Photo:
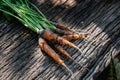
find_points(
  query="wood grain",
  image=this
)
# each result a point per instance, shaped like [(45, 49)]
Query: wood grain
[(21, 58)]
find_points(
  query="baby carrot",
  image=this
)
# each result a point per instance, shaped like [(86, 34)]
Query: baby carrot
[(75, 36), (63, 32), (64, 27), (48, 50), (62, 51), (61, 26)]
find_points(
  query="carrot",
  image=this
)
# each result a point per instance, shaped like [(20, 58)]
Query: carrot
[(75, 36), (63, 32), (50, 36), (61, 26), (62, 51), (64, 27), (48, 50)]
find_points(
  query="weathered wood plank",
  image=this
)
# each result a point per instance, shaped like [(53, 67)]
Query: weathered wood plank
[(21, 58)]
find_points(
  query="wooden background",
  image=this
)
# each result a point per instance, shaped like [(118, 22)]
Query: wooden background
[(21, 58)]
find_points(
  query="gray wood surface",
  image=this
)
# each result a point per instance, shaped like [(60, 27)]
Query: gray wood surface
[(21, 58)]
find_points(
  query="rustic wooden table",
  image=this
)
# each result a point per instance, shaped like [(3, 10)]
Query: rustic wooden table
[(21, 58)]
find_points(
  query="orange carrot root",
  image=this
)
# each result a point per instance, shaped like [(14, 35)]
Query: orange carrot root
[(75, 36), (64, 27), (61, 26), (48, 50), (63, 32), (62, 51)]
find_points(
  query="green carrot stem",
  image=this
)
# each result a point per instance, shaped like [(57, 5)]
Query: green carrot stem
[(21, 10)]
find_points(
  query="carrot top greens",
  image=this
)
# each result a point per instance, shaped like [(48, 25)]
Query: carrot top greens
[(30, 17)]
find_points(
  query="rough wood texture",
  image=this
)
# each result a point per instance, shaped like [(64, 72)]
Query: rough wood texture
[(21, 58)]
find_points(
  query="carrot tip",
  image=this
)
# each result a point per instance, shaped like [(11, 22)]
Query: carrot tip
[(80, 51), (68, 69)]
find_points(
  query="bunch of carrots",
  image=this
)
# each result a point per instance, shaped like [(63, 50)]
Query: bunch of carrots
[(49, 33)]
